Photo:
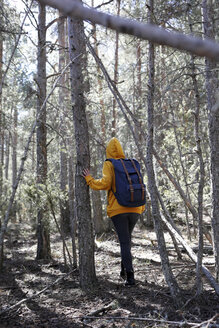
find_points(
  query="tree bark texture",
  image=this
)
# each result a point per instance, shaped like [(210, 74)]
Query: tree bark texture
[(1, 145), (1, 125), (71, 198), (151, 175), (64, 204), (212, 84), (77, 51), (43, 246)]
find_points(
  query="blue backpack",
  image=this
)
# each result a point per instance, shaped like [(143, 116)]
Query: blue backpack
[(130, 188)]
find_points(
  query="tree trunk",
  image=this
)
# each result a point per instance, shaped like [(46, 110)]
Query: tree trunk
[(100, 85), (83, 210), (116, 73), (201, 168), (7, 153), (14, 158), (64, 203), (1, 125), (213, 121), (1, 145), (151, 176), (71, 198), (43, 246)]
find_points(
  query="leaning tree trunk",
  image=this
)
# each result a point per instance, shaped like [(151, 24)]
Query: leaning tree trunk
[(43, 246), (213, 120), (151, 176), (82, 198)]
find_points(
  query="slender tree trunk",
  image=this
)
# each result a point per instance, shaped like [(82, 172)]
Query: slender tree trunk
[(33, 153), (43, 246), (116, 73), (100, 85), (7, 153), (64, 203), (201, 179), (213, 120), (184, 173), (14, 156), (201, 169), (1, 130), (1, 125), (83, 210), (151, 176), (71, 197)]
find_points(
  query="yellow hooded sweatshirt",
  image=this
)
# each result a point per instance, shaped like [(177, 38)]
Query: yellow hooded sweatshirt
[(107, 182)]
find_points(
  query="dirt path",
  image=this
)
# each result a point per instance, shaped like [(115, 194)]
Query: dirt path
[(64, 304)]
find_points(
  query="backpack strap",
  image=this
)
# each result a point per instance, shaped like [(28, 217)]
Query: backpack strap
[(140, 179), (129, 180)]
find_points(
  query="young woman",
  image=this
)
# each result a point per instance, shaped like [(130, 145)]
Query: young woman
[(123, 218)]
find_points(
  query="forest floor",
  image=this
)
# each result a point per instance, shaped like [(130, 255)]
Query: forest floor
[(110, 303)]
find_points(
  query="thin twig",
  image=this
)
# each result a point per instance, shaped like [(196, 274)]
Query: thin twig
[(58, 227)]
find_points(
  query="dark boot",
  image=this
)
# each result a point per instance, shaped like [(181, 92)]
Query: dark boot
[(130, 281), (122, 272)]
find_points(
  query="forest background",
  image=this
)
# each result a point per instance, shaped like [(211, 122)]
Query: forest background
[(67, 88)]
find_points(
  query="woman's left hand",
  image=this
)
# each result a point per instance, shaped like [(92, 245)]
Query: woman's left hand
[(85, 172)]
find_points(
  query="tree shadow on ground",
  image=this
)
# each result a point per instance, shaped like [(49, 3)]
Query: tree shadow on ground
[(64, 305)]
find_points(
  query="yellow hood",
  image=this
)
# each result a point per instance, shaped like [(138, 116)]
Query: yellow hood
[(114, 149)]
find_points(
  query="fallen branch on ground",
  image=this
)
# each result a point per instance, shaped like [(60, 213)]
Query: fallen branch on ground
[(112, 306)]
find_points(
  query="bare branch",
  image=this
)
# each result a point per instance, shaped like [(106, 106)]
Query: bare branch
[(205, 48)]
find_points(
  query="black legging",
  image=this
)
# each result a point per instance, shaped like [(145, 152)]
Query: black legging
[(124, 224)]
